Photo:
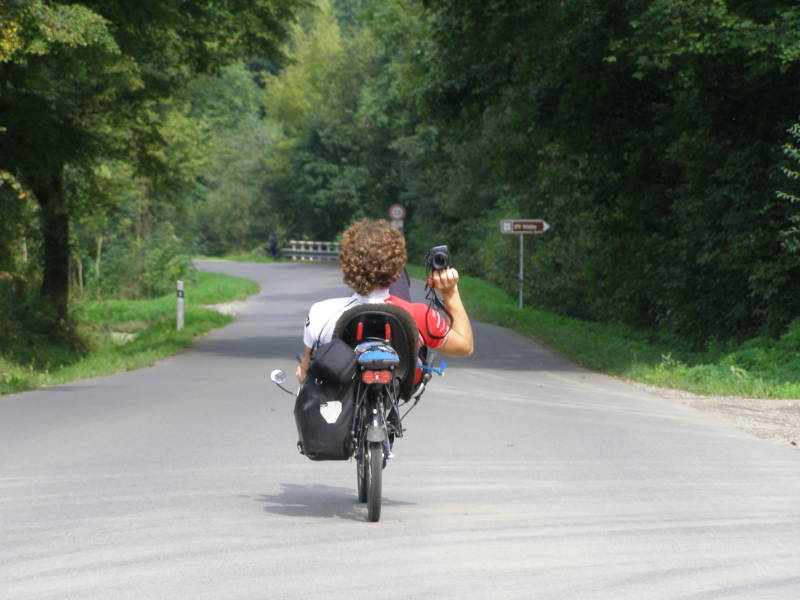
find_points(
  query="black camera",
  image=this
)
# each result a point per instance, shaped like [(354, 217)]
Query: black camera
[(438, 259)]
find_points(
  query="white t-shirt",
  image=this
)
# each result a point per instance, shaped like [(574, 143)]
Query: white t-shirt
[(323, 315)]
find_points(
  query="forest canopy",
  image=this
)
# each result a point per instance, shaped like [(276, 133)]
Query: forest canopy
[(657, 137)]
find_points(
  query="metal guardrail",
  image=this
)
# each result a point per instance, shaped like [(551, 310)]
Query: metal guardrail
[(311, 251)]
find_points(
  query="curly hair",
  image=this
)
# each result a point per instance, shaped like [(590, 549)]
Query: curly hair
[(373, 255)]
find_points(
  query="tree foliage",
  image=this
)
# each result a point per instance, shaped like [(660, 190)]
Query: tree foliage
[(790, 192), (318, 176), (651, 134), (648, 134), (84, 83), (227, 208)]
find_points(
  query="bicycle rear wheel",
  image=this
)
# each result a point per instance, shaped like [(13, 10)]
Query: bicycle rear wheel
[(362, 467), (374, 465)]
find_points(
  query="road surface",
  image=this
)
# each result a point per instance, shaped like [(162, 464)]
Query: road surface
[(521, 476)]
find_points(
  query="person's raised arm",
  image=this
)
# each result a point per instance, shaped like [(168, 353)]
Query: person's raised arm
[(459, 340)]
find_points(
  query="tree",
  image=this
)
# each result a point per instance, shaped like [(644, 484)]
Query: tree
[(228, 208), (320, 170), (77, 82), (791, 235), (647, 134)]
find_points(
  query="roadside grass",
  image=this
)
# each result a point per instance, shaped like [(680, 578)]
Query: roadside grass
[(257, 255), (758, 368), (122, 335)]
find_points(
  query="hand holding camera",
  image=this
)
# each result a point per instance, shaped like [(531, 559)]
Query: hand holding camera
[(443, 277), (445, 281), (441, 274)]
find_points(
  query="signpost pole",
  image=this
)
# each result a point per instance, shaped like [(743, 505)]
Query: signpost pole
[(521, 266), (522, 227)]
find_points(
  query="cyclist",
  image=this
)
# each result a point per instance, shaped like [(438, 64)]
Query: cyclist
[(373, 256)]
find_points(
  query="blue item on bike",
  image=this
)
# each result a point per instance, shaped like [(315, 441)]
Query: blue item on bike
[(439, 371), (378, 359)]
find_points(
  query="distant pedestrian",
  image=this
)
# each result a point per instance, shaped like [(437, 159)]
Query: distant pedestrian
[(273, 246)]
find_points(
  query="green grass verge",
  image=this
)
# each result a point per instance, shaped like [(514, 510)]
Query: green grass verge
[(258, 255), (759, 368), (122, 335)]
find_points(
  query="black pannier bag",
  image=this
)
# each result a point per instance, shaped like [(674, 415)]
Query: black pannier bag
[(322, 437), (327, 390), (333, 364)]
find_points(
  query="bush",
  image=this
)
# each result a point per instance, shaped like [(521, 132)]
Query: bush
[(165, 262), (135, 268)]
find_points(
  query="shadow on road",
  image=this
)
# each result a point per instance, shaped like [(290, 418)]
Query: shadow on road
[(318, 500), (257, 347)]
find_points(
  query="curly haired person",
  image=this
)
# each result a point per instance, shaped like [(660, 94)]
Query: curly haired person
[(373, 256)]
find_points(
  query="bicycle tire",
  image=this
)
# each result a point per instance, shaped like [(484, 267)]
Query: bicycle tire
[(362, 466), (374, 477)]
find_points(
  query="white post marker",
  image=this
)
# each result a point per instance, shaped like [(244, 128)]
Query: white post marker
[(522, 227), (180, 306)]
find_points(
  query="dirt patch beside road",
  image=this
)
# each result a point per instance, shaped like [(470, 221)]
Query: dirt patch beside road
[(776, 420), (228, 308)]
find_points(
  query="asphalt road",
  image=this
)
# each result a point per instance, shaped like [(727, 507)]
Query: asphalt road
[(521, 476)]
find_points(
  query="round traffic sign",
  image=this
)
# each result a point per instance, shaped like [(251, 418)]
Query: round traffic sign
[(397, 212)]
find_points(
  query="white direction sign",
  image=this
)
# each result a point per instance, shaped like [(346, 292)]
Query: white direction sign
[(397, 212), (523, 226)]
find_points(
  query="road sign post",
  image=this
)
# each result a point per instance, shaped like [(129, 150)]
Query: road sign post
[(397, 213), (522, 227), (521, 268)]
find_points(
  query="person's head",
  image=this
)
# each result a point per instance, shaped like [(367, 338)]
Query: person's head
[(373, 255)]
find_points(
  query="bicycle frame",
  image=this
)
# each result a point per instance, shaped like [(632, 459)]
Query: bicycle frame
[(375, 404)]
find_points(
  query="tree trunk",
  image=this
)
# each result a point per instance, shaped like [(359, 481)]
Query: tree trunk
[(5, 69), (54, 221), (98, 256)]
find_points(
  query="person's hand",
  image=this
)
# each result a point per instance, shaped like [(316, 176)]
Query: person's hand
[(302, 367), (446, 281)]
